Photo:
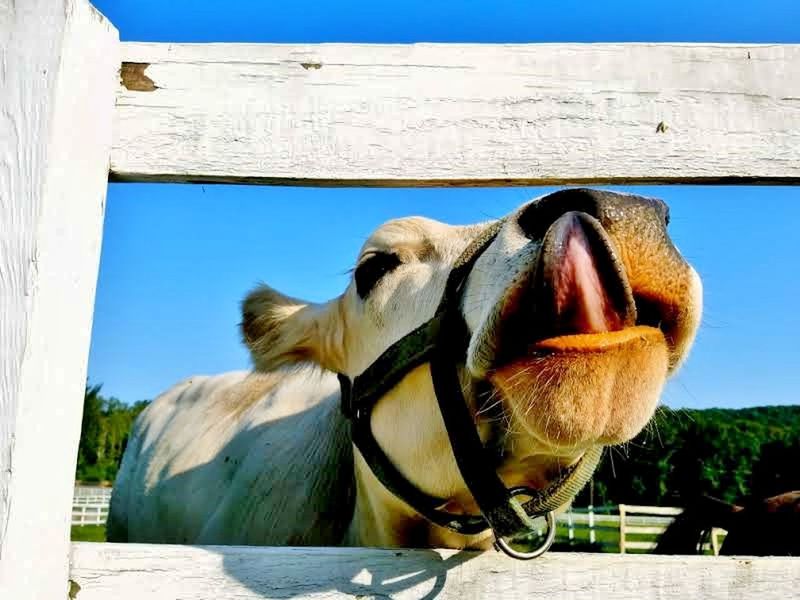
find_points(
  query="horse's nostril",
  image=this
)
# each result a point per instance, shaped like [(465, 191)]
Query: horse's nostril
[(649, 312), (605, 206), (535, 219)]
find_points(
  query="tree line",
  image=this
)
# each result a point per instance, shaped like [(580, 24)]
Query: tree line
[(731, 454), (105, 429)]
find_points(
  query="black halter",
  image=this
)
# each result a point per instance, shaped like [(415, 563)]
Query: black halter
[(442, 342)]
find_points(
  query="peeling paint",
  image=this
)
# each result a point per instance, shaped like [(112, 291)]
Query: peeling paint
[(662, 127), (311, 65), (74, 588), (133, 78)]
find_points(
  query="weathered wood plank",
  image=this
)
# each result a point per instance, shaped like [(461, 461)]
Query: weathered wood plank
[(58, 77), (426, 114), (152, 572)]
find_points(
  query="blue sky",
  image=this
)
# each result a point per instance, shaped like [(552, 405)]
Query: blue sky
[(177, 259)]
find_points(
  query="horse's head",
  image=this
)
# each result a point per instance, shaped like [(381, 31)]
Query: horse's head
[(576, 311)]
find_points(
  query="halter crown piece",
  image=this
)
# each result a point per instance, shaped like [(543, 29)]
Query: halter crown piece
[(442, 342)]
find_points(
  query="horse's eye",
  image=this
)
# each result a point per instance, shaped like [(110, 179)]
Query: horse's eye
[(370, 271)]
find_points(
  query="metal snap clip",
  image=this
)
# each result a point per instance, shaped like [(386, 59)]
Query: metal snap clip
[(505, 543)]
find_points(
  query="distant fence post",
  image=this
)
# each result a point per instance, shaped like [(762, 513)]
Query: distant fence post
[(716, 534), (622, 529), (570, 525)]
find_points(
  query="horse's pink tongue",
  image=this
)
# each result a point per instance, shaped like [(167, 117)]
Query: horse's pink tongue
[(581, 302)]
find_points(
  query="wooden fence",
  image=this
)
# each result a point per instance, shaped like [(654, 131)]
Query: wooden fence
[(648, 529), (650, 522), (90, 513), (78, 107), (618, 528), (89, 494), (90, 505)]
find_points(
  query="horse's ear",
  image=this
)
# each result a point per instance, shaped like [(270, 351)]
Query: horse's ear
[(280, 330)]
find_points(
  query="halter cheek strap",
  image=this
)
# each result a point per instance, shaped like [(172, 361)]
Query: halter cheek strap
[(442, 342)]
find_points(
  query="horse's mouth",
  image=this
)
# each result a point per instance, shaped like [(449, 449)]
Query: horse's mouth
[(578, 298), (573, 356)]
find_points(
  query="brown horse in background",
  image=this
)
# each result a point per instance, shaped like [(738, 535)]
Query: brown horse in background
[(769, 527)]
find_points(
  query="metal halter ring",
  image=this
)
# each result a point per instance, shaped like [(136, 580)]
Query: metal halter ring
[(501, 543)]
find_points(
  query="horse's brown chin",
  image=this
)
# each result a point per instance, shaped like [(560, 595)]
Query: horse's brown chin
[(575, 391)]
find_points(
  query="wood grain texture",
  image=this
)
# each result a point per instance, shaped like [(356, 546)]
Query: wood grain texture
[(58, 76), (143, 572), (427, 114)]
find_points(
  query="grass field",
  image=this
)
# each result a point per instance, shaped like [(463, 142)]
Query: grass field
[(605, 540), (88, 533)]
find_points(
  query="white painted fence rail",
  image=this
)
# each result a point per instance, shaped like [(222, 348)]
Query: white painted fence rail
[(458, 114), (638, 520), (635, 527), (329, 114), (628, 527), (91, 494), (90, 513), (148, 572), (90, 505)]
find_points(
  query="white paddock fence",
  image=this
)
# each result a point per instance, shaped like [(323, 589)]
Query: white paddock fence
[(89, 514), (78, 108), (608, 527), (627, 528), (90, 505), (90, 494), (647, 521), (631, 523)]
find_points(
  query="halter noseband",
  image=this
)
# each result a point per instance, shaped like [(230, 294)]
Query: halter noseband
[(442, 342)]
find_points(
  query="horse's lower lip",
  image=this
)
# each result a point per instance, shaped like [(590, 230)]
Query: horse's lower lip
[(595, 342), (581, 344)]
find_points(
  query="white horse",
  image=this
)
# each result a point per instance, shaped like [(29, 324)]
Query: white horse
[(576, 312)]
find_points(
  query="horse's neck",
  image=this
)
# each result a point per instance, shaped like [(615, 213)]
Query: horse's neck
[(683, 535), (300, 485), (713, 512)]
